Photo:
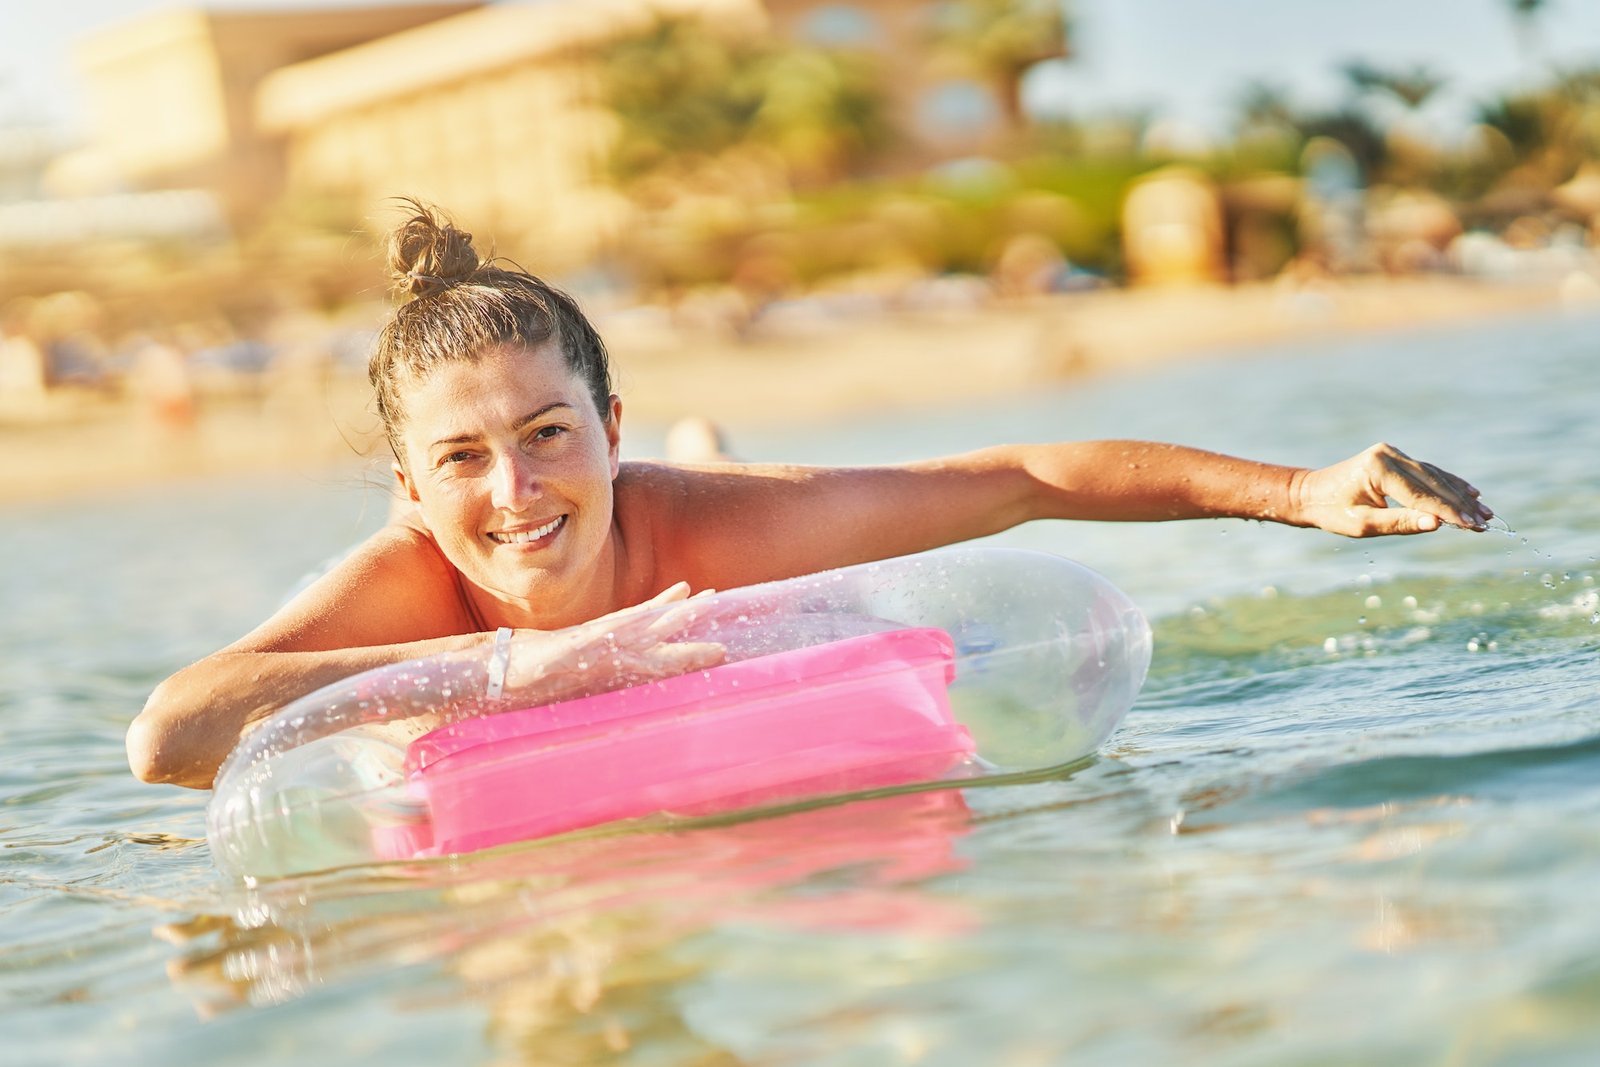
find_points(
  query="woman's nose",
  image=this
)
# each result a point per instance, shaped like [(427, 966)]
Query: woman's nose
[(513, 482)]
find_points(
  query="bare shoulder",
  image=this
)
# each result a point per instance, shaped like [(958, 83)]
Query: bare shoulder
[(669, 512), (718, 525), (394, 587)]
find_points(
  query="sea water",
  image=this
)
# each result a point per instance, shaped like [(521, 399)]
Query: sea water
[(1353, 818)]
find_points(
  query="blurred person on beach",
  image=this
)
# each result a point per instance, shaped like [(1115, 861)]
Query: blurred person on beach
[(159, 376), (495, 392), (24, 369)]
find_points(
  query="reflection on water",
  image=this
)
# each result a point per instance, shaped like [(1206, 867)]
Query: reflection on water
[(554, 938), (1355, 816)]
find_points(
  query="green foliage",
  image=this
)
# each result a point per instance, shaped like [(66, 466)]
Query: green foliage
[(1355, 131), (998, 40), (1522, 119), (1550, 131), (1411, 87), (683, 95), (681, 89), (677, 89)]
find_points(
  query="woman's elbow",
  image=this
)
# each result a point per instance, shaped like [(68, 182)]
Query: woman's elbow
[(144, 749), (153, 754)]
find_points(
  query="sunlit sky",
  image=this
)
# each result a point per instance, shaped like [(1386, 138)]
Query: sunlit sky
[(1186, 59)]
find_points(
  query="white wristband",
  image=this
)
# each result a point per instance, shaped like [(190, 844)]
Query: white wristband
[(499, 659)]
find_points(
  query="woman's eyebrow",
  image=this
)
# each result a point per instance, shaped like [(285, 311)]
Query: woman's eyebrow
[(535, 416), (532, 416)]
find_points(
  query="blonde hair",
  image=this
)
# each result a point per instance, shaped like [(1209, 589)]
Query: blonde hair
[(459, 307)]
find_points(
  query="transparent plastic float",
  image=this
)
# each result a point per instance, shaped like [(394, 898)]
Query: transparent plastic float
[(943, 666)]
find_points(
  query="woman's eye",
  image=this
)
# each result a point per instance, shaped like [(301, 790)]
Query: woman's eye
[(544, 433), (455, 457)]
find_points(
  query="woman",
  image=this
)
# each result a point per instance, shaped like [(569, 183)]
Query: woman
[(495, 392)]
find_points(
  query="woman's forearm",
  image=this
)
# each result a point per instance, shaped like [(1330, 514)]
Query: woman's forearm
[(193, 719), (1142, 481), (1376, 492)]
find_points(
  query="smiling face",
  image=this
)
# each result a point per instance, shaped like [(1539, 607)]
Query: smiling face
[(511, 467)]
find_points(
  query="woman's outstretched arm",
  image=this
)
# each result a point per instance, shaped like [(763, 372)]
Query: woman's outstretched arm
[(1140, 481), (731, 525)]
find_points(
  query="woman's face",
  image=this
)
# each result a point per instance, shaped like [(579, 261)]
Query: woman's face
[(511, 467)]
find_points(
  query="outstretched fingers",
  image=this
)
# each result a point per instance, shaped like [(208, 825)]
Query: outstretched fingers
[(1428, 492), (1384, 491)]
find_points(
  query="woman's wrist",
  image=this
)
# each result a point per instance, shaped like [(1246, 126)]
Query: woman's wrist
[(1292, 510)]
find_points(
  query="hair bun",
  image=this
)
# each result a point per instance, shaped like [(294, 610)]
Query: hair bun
[(427, 254)]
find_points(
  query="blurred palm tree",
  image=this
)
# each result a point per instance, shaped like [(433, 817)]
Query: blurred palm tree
[(1406, 160), (1411, 87), (997, 41), (1526, 15), (1263, 103), (683, 90), (1267, 128), (1551, 131), (1355, 131), (677, 90)]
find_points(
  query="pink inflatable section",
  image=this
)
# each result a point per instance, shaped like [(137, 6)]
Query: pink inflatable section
[(838, 717)]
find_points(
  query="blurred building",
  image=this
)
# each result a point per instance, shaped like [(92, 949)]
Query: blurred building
[(493, 113), (492, 110), (171, 96)]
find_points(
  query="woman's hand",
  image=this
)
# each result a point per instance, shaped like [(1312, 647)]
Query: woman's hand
[(1352, 497), (627, 647)]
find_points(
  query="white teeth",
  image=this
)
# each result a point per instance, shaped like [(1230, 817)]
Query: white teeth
[(522, 537)]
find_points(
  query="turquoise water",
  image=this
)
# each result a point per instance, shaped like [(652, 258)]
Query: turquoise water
[(1354, 817)]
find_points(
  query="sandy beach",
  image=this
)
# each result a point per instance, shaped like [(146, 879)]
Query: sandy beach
[(831, 370)]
